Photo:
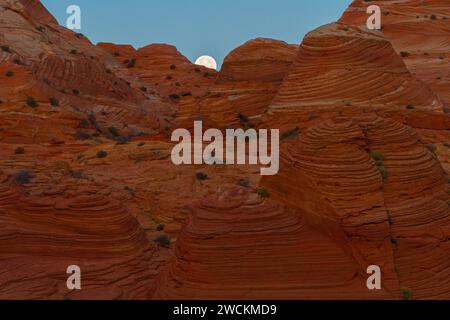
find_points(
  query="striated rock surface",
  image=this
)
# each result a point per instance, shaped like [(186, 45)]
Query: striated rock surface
[(345, 70), (371, 183), (419, 31), (247, 83), (235, 245)]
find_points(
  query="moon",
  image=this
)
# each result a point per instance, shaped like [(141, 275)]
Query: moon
[(207, 61)]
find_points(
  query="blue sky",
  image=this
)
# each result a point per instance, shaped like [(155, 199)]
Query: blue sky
[(199, 27)]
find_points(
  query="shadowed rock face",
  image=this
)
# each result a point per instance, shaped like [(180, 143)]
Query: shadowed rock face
[(418, 29)]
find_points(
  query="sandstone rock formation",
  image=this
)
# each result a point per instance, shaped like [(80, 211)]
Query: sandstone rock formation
[(419, 31), (248, 81)]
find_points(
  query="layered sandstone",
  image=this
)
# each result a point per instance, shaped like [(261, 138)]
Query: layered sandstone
[(419, 31), (248, 81)]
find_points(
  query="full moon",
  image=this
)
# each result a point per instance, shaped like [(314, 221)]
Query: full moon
[(207, 62)]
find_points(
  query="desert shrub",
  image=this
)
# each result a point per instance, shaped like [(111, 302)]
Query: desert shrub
[(433, 17), (383, 171), (201, 176), (377, 156), (173, 67), (163, 241), (143, 89), (131, 63), (431, 147), (6, 49), (9, 73), (141, 144), (113, 131), (54, 102), (93, 120), (446, 144), (19, 150), (83, 123), (169, 77), (31, 102), (73, 51), (404, 54), (23, 177), (102, 154), (76, 174), (410, 107), (122, 140), (174, 97), (76, 92), (17, 61), (263, 192), (160, 227), (116, 53), (406, 293), (198, 70)]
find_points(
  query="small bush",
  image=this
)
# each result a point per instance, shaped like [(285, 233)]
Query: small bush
[(9, 73), (141, 144), (262, 192), (404, 54), (116, 53), (54, 102), (383, 171), (73, 51), (169, 77), (174, 97), (143, 89), (163, 241), (23, 177), (406, 294), (410, 107), (132, 63), (17, 61), (201, 176), (31, 102), (173, 67), (447, 145), (377, 156), (102, 154), (113, 131), (19, 150), (6, 49), (431, 147), (160, 227), (433, 17), (76, 92), (83, 123)]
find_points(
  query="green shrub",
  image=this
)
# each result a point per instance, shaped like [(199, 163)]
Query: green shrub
[(174, 97), (406, 293), (163, 241), (54, 102), (31, 102), (431, 147), (377, 156), (201, 176), (262, 192), (6, 49), (390, 217), (394, 240), (23, 177), (102, 154), (19, 150), (383, 171), (404, 54)]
